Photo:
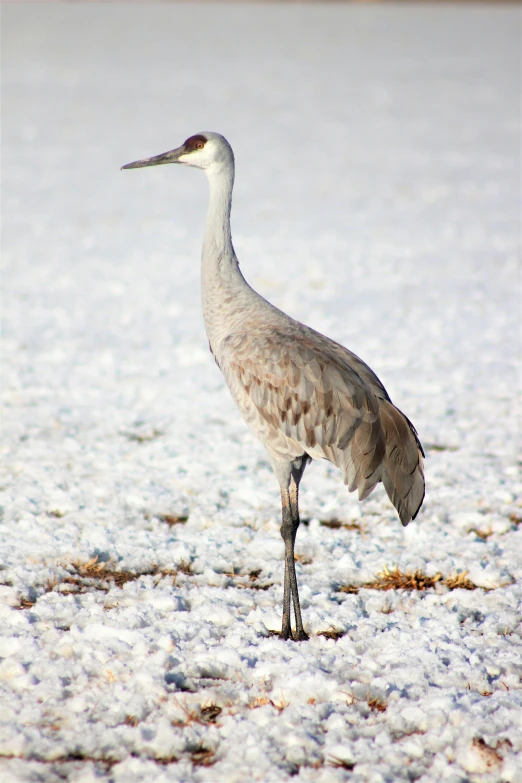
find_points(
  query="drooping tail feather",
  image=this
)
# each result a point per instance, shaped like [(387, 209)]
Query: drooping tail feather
[(402, 467)]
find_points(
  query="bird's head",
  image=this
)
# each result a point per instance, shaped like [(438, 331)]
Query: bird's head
[(208, 151)]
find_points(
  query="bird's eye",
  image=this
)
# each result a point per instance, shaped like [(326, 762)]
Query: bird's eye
[(195, 143)]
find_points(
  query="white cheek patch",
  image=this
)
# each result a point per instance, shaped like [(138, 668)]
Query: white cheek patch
[(198, 159)]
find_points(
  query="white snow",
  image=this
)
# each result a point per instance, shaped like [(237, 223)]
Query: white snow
[(377, 199)]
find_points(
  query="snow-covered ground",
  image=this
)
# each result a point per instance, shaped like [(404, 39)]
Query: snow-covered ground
[(377, 199)]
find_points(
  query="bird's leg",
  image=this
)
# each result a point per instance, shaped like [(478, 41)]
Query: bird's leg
[(300, 633), (286, 533), (289, 500)]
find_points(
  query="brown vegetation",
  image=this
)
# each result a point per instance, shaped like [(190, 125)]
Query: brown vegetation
[(172, 519), (395, 579), (83, 577), (332, 633), (336, 524)]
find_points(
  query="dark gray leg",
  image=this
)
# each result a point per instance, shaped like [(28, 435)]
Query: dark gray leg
[(290, 506), (286, 533)]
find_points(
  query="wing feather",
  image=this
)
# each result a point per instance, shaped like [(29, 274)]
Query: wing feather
[(304, 394)]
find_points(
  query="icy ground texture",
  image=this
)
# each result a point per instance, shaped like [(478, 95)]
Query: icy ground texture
[(376, 199)]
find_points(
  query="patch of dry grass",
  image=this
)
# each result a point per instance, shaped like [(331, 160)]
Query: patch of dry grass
[(263, 700), (102, 762), (332, 633), (351, 589), (92, 575), (203, 757), (336, 524), (200, 756), (252, 580), (335, 761), (172, 519), (183, 568), (93, 570), (280, 705), (395, 579), (25, 603), (255, 586), (460, 581), (376, 705), (163, 760), (483, 534), (489, 755)]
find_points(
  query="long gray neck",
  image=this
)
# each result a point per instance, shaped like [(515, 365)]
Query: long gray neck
[(222, 284), (218, 251)]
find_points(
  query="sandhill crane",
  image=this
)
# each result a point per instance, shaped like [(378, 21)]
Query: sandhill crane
[(304, 395)]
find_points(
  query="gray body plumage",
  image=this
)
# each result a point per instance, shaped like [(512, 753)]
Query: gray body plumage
[(303, 395)]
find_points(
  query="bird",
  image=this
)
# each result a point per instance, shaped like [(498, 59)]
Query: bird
[(304, 396)]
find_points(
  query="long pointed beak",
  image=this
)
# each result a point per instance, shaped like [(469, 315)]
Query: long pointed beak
[(172, 156)]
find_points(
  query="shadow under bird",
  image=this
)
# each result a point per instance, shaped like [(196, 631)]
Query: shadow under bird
[(303, 395)]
